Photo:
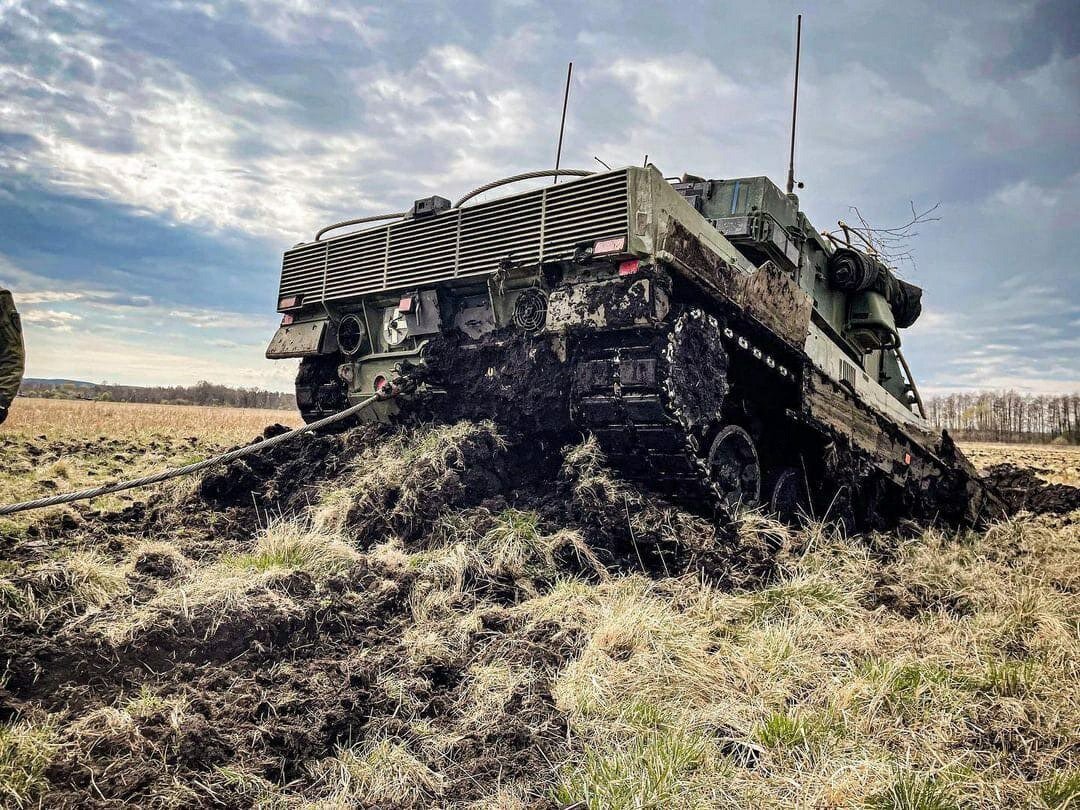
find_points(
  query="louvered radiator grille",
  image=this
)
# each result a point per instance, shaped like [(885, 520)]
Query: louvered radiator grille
[(540, 225)]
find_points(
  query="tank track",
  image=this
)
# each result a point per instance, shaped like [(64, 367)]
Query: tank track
[(319, 390), (652, 398), (938, 487)]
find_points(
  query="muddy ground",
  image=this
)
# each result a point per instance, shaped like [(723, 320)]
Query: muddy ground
[(298, 666)]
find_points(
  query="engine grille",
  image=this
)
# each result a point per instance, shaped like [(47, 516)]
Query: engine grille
[(540, 225)]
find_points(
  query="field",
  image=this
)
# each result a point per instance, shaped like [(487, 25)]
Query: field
[(49, 445), (1054, 464), (437, 617)]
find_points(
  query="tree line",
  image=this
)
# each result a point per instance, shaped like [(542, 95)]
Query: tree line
[(1008, 416), (1001, 416), (202, 393)]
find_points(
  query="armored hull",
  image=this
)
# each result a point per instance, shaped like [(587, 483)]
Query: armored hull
[(714, 343)]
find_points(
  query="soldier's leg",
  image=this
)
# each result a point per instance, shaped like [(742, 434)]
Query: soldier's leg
[(12, 353)]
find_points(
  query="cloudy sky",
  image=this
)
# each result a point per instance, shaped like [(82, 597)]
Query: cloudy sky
[(157, 157)]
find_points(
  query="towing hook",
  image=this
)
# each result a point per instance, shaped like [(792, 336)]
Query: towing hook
[(394, 388), (388, 390)]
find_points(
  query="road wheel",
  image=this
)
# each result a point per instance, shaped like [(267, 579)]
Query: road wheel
[(788, 496), (734, 468)]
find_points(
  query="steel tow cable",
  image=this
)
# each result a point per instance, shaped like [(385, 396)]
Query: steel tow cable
[(388, 391)]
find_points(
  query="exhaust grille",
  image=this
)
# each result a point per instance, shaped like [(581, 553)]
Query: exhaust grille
[(302, 270), (541, 225)]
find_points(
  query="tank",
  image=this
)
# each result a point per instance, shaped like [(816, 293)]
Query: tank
[(717, 346)]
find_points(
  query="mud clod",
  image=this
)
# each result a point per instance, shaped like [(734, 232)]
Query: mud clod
[(1024, 491)]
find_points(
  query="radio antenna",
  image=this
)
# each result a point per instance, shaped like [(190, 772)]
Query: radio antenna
[(562, 123), (794, 108)]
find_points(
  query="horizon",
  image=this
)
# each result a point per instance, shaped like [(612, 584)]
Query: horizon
[(156, 159)]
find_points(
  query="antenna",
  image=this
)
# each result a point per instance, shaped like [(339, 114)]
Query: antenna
[(562, 123), (794, 108)]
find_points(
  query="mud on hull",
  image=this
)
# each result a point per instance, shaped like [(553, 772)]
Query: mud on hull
[(701, 406)]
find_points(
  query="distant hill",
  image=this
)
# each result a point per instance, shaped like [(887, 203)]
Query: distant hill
[(203, 393)]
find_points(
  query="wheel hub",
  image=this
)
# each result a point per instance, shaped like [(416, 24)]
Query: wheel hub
[(734, 468)]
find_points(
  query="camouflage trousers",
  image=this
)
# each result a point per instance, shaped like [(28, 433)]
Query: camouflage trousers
[(12, 353)]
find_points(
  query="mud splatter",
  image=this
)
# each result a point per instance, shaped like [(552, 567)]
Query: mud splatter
[(1024, 491)]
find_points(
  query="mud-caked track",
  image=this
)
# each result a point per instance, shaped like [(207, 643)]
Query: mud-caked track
[(696, 410)]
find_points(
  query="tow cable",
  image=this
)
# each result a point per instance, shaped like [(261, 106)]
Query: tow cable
[(388, 391)]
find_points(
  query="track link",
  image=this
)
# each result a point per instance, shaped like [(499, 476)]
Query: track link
[(652, 400)]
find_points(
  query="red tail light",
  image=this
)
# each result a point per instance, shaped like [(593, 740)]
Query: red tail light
[(287, 319), (616, 244), (628, 267)]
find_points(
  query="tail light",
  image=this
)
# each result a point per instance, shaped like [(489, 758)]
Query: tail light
[(616, 244), (287, 319), (290, 302), (628, 267)]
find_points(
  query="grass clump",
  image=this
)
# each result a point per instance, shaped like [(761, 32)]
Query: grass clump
[(212, 594), (256, 790), (398, 485), (289, 545), (784, 729), (660, 769), (90, 580), (147, 703), (26, 750), (72, 584), (593, 485), (914, 791), (382, 771), (1061, 791)]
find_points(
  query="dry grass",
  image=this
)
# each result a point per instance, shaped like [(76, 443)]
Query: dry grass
[(81, 420), (383, 771), (391, 484), (72, 584), (210, 594), (26, 749), (808, 694), (54, 445)]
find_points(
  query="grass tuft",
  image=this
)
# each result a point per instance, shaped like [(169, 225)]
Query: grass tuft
[(384, 771), (659, 769), (1061, 791), (26, 750), (914, 791), (291, 545)]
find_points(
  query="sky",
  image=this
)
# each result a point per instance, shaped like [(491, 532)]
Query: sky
[(156, 158)]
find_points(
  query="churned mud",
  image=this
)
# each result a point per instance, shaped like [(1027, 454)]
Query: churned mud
[(228, 644), (1024, 491), (182, 679)]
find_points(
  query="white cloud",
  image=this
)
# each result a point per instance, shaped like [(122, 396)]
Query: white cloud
[(214, 319), (55, 320), (47, 297), (155, 361), (245, 159), (311, 21)]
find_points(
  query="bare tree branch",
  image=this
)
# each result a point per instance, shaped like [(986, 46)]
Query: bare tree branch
[(893, 244)]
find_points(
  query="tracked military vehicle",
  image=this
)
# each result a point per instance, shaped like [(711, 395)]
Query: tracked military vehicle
[(715, 343)]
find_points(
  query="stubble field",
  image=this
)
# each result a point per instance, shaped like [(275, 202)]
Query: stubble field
[(441, 617)]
